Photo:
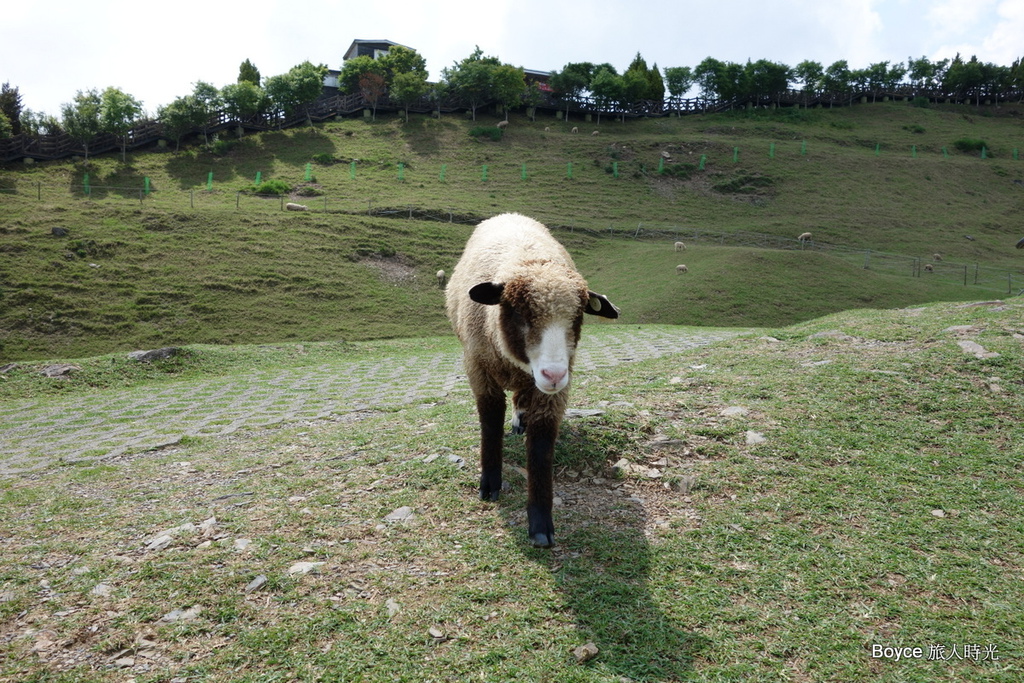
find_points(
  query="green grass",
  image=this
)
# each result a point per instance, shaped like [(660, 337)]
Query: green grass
[(882, 509), (187, 266)]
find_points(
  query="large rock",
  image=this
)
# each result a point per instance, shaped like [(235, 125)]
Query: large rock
[(155, 354)]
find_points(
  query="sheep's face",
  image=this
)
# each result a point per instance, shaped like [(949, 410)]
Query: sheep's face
[(539, 327)]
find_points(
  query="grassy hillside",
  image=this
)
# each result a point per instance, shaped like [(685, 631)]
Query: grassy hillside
[(187, 265)]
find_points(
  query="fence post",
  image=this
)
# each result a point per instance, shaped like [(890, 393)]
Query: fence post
[(209, 182), (867, 259), (85, 185), (147, 185), (39, 191), (237, 196), (192, 199)]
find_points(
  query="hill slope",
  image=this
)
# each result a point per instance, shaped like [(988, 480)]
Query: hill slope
[(186, 264)]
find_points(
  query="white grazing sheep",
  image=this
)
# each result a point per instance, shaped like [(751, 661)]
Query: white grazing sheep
[(502, 124), (680, 269), (575, 129), (516, 302), (680, 246), (928, 267), (440, 278), (805, 237), (547, 129), (936, 257), (596, 132), (295, 207)]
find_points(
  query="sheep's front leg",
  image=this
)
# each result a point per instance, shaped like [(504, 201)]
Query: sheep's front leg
[(540, 449), (491, 410)]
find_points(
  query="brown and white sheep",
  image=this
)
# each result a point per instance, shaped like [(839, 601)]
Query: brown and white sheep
[(680, 269), (516, 302)]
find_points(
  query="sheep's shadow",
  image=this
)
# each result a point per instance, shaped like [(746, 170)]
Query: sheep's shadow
[(602, 565)]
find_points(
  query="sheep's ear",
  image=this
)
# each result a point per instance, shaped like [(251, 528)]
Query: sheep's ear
[(598, 304), (487, 293)]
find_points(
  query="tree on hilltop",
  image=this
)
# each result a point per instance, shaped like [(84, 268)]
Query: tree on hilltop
[(81, 117), (119, 111), (248, 73)]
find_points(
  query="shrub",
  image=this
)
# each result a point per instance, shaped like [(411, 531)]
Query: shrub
[(970, 145), (272, 187), (220, 147), (325, 159), (918, 129), (492, 132), (922, 102)]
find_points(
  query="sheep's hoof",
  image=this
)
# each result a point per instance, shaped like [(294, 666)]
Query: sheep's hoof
[(540, 540)]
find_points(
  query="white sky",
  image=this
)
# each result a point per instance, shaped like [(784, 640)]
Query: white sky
[(50, 49)]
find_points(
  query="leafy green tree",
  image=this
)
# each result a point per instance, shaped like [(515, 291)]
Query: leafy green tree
[(401, 60), (643, 83), (655, 84), (10, 105), (407, 88), (571, 82), (210, 103), (507, 86), (296, 90), (180, 118), (5, 126), (607, 87), (119, 112), (837, 78), (353, 70), (708, 75), (678, 79), (41, 123), (765, 79), (810, 75), (248, 73), (472, 79), (243, 100), (81, 117)]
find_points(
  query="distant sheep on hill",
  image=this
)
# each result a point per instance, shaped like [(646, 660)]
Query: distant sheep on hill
[(440, 278), (928, 267), (596, 132), (575, 129), (295, 207), (936, 257), (503, 124), (680, 246), (680, 269), (805, 237)]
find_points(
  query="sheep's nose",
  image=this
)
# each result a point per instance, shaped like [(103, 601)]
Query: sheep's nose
[(553, 376)]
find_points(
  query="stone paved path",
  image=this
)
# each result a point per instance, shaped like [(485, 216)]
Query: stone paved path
[(36, 434)]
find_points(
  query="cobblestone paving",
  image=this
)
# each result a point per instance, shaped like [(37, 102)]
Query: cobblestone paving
[(36, 434)]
